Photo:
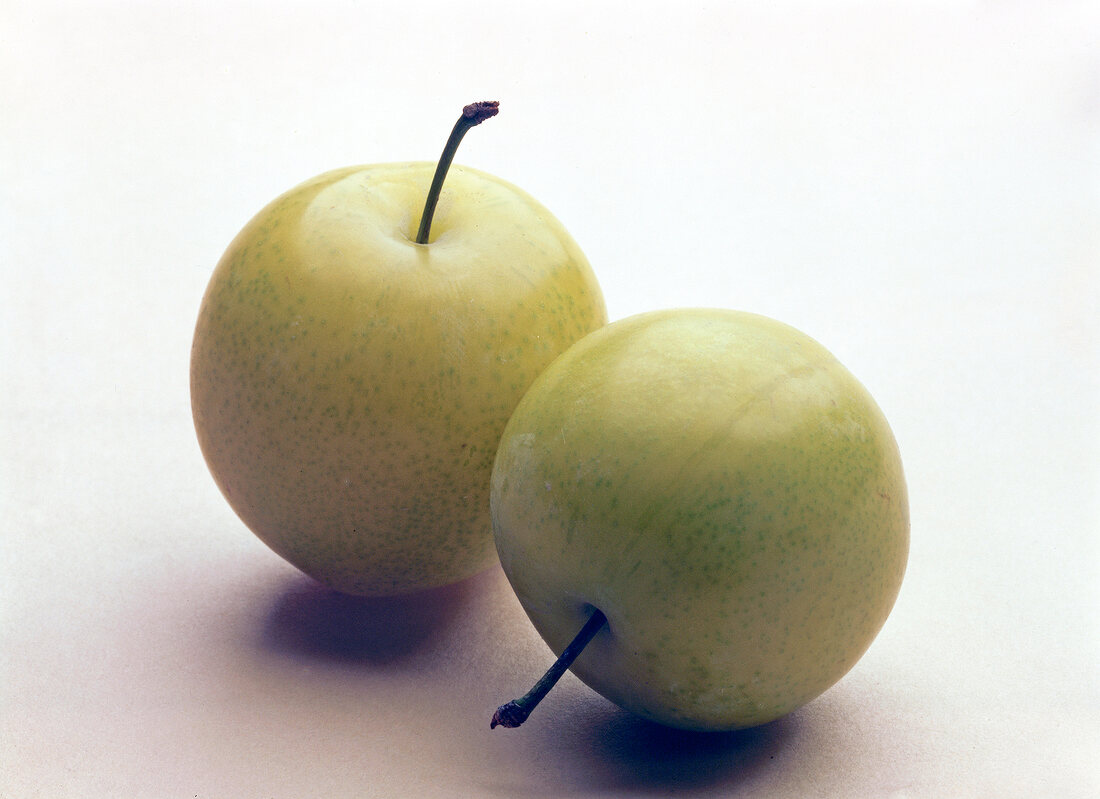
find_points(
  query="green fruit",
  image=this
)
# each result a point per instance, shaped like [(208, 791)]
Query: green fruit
[(725, 492), (350, 386)]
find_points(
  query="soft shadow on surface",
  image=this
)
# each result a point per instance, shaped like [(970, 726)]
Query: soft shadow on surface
[(659, 758), (311, 620), (624, 754)]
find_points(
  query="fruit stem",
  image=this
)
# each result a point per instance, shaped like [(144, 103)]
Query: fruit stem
[(473, 114), (514, 713)]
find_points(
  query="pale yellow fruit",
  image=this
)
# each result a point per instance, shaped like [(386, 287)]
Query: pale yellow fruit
[(725, 492), (350, 386)]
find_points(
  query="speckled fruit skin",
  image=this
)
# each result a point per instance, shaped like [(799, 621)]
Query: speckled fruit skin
[(725, 492), (349, 386)]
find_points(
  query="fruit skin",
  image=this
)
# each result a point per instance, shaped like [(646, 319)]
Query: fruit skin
[(349, 386), (725, 492)]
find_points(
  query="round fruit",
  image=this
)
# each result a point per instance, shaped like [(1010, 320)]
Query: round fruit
[(350, 386), (729, 497)]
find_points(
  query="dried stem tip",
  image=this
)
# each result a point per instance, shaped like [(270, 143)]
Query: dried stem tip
[(479, 112)]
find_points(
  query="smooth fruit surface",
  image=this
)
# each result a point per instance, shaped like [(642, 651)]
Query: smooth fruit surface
[(729, 496), (349, 386)]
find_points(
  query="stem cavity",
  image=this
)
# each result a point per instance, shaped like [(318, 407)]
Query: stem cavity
[(473, 114), (514, 713)]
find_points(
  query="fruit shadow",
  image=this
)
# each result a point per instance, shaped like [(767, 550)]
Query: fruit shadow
[(310, 620), (624, 754)]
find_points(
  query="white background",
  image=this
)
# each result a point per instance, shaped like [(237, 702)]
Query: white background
[(916, 185)]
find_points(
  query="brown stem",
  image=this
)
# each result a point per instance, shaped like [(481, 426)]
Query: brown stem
[(473, 114), (514, 713)]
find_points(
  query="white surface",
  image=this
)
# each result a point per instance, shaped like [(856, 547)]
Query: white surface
[(917, 185)]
